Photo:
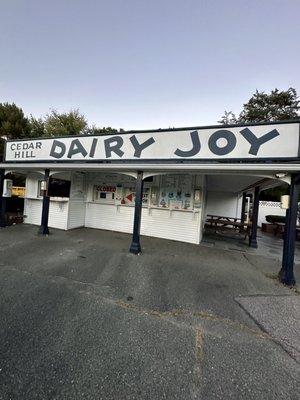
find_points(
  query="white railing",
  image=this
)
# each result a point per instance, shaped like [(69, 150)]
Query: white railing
[(264, 203), (269, 208)]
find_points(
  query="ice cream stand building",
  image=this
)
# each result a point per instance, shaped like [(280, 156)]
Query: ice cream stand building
[(160, 183)]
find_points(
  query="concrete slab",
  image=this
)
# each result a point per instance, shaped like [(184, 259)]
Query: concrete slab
[(268, 244), (279, 316)]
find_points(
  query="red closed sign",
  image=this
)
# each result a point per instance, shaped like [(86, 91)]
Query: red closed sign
[(106, 188)]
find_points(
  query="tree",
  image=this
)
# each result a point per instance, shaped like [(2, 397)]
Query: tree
[(276, 106), (263, 107), (64, 124), (13, 123), (37, 127), (228, 118), (94, 130)]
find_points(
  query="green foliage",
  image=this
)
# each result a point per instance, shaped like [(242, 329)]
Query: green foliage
[(94, 130), (274, 194), (2, 145), (263, 107), (276, 106), (228, 118), (71, 123), (37, 127), (275, 218), (13, 123)]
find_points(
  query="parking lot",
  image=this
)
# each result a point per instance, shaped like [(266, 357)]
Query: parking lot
[(82, 318)]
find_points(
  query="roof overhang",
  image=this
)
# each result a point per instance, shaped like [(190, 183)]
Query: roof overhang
[(195, 167), (276, 172)]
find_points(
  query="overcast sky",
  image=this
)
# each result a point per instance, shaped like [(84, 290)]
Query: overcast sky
[(146, 63)]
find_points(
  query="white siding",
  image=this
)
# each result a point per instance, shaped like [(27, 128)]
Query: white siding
[(183, 226), (77, 205), (76, 214), (110, 217), (58, 210), (58, 213), (33, 211), (226, 204), (80, 210), (176, 225)]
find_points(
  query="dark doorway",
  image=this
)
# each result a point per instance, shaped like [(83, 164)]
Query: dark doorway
[(15, 203)]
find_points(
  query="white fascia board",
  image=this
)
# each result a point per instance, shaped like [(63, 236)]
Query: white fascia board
[(291, 167), (261, 170)]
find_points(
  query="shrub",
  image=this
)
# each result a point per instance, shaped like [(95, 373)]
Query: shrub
[(275, 218)]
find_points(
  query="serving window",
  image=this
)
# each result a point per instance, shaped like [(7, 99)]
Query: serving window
[(174, 192), (58, 187), (104, 194)]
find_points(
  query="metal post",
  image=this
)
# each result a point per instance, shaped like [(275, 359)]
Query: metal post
[(286, 274), (2, 200), (44, 230), (255, 207), (135, 247), (243, 210)]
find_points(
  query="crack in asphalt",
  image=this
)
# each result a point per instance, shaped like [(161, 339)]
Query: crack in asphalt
[(272, 276), (277, 341), (201, 314), (156, 313)]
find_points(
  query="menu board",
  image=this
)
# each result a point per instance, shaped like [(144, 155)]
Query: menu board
[(176, 192)]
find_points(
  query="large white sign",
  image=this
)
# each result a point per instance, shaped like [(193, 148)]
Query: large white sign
[(246, 142)]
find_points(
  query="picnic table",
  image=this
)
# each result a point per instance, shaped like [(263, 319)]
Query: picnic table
[(219, 221), (279, 229)]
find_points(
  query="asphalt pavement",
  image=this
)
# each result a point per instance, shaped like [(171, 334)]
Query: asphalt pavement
[(82, 318)]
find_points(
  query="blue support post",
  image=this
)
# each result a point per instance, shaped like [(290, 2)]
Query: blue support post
[(2, 201), (286, 274), (135, 247), (254, 221), (43, 229)]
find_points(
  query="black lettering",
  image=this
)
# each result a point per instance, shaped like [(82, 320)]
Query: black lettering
[(256, 142), (13, 146), (113, 144), (222, 134), (58, 149), (139, 147), (28, 154), (194, 150), (76, 148), (38, 145), (93, 148), (25, 146)]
